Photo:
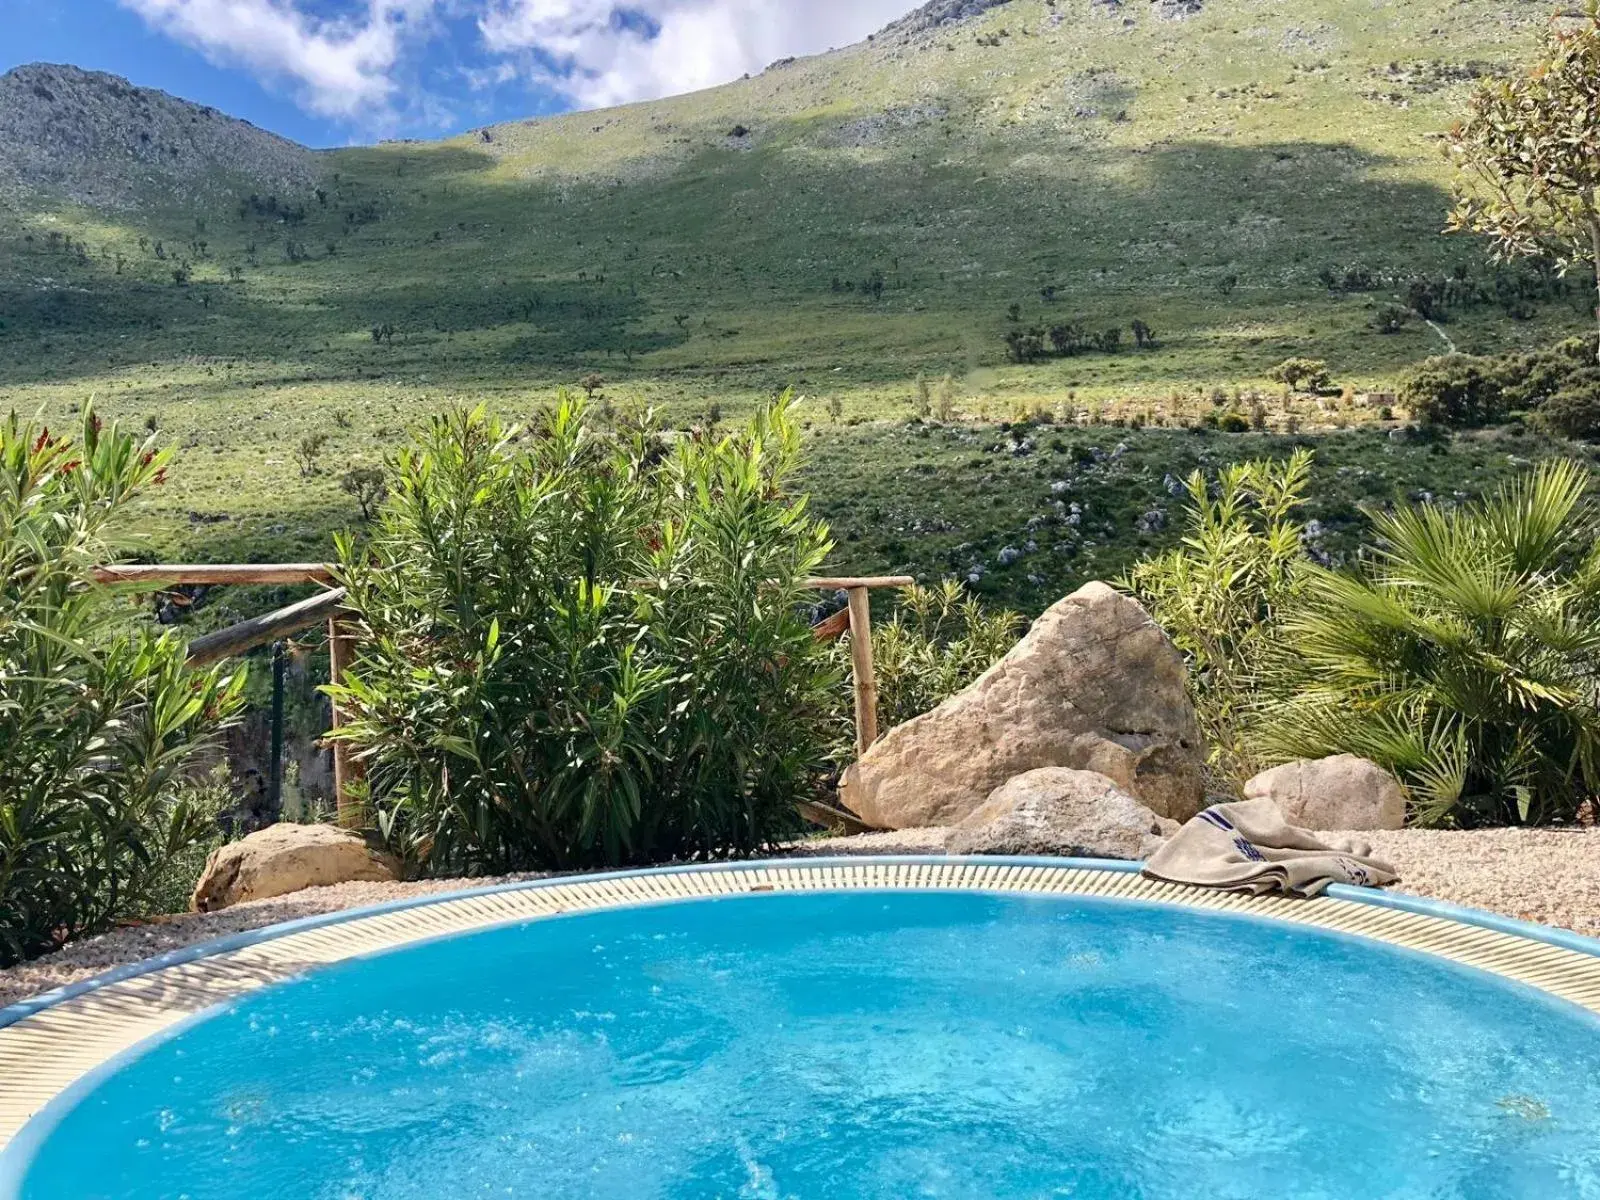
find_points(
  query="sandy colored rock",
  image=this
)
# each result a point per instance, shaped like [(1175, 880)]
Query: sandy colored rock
[(1061, 812), (1341, 792), (1094, 686), (287, 858)]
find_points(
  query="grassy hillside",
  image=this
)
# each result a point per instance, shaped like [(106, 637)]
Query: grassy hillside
[(841, 225)]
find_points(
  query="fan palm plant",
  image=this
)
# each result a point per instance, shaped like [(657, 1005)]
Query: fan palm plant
[(1464, 655)]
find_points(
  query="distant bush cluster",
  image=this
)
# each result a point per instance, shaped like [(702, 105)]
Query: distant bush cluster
[(1308, 374), (1558, 388), (1515, 289), (1069, 338)]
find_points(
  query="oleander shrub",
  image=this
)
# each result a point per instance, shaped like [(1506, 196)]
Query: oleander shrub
[(209, 796), (101, 724), (587, 647), (1222, 593)]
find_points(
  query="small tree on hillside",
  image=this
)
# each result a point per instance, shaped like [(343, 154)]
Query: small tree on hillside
[(367, 486), (1297, 373), (1529, 152), (309, 452)]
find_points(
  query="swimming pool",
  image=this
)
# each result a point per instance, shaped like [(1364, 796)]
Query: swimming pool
[(992, 1040)]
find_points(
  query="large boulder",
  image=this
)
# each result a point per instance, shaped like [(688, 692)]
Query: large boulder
[(1095, 686), (286, 858), (1342, 792), (1058, 811)]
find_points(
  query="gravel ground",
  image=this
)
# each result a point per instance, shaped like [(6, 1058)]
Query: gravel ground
[(1550, 876)]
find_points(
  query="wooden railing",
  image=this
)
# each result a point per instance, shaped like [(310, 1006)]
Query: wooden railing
[(328, 607)]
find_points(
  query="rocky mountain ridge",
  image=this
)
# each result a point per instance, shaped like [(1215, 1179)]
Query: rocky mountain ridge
[(98, 140)]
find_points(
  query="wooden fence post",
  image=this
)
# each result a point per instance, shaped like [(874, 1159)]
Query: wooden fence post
[(347, 770), (866, 680)]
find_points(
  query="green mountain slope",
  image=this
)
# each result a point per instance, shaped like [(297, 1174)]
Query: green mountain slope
[(840, 224)]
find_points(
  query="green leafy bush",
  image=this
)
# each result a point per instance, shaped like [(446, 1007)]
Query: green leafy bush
[(1531, 379), (1391, 318), (581, 649), (1464, 656), (208, 797), (938, 641), (1574, 411), (1308, 373), (99, 727), (1222, 592), (1455, 391)]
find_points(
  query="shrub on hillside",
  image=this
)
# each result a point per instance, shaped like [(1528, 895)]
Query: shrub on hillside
[(1307, 374), (367, 486), (99, 727), (1574, 411), (1528, 380), (1464, 656), (579, 649), (1391, 318), (1455, 391), (1221, 594), (1025, 346)]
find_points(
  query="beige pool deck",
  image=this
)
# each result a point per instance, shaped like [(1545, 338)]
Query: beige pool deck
[(46, 1053)]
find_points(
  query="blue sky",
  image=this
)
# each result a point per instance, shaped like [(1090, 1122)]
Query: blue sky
[(331, 72)]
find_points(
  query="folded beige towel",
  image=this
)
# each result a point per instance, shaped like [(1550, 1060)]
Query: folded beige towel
[(1249, 847)]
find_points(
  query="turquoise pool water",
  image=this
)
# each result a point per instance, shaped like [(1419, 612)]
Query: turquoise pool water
[(852, 1045)]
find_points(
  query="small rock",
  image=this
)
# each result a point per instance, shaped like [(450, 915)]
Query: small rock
[(1057, 811), (287, 858), (1342, 792)]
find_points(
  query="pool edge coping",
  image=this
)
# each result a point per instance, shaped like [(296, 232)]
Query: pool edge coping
[(1564, 967), (1401, 901)]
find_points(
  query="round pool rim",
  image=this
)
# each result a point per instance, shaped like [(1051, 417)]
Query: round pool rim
[(55, 1047)]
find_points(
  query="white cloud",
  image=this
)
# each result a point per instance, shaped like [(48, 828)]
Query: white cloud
[(364, 64), (601, 52), (339, 67)]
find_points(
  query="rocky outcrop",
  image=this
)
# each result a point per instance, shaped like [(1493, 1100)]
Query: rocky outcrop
[(1094, 686), (937, 14), (287, 858), (1342, 792), (1060, 812), (98, 140)]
